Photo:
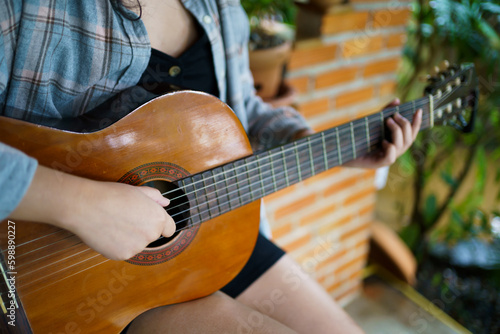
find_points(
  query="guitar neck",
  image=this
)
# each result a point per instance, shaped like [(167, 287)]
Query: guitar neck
[(235, 184)]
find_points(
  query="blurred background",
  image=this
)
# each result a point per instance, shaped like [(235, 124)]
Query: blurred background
[(438, 206)]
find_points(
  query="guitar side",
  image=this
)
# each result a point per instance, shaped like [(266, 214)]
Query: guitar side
[(64, 285)]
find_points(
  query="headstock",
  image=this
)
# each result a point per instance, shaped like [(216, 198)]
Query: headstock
[(453, 95)]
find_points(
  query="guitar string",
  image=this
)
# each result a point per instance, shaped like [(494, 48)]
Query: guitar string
[(374, 135), (343, 133), (293, 180), (179, 230), (393, 109), (223, 203), (244, 166), (319, 157), (249, 185)]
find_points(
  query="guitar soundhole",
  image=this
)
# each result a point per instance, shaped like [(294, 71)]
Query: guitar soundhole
[(178, 208)]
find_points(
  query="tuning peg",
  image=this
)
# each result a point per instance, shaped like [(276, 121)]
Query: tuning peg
[(435, 71), (444, 65)]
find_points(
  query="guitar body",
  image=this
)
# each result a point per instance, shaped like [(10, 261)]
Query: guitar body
[(66, 287)]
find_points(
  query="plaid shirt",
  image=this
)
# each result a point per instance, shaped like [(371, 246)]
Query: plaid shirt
[(62, 58)]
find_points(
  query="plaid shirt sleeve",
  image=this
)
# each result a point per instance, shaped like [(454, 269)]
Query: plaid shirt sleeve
[(60, 59)]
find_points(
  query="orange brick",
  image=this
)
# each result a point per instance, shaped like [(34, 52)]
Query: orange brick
[(367, 209), (300, 83), (320, 177), (312, 218), (356, 197), (387, 88), (396, 40), (311, 55), (390, 18), (369, 173), (361, 46), (355, 231), (281, 193), (356, 262), (333, 287), (296, 244), (370, 111), (362, 244), (332, 259), (294, 206), (382, 66), (341, 22), (357, 96), (349, 292), (336, 77), (333, 123), (334, 189), (313, 108), (281, 231), (335, 225), (356, 275)]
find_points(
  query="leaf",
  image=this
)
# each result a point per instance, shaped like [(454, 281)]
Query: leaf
[(448, 178), (481, 163), (490, 7), (430, 209), (410, 235)]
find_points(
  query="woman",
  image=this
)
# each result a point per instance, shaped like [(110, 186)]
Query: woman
[(61, 59)]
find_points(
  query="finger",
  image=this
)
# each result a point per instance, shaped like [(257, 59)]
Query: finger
[(170, 226), (416, 123), (396, 132), (405, 126), (155, 195), (393, 103)]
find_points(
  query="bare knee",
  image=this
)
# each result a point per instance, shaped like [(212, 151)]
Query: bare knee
[(216, 313)]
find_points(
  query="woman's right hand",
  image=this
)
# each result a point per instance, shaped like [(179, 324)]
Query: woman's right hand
[(115, 219)]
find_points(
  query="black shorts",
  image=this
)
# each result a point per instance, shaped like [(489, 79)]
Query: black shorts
[(264, 255)]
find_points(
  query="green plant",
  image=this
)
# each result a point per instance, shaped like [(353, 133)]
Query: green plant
[(461, 31), (271, 22)]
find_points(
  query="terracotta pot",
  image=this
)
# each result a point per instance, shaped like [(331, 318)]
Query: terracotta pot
[(286, 96), (267, 68)]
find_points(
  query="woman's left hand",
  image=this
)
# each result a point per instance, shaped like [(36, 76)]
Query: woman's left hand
[(403, 134)]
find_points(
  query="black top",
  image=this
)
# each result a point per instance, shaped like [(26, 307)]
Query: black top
[(193, 70)]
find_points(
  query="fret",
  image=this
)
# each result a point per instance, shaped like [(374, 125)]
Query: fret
[(240, 180), (353, 141), (325, 155), (368, 139), (431, 110), (254, 178), (188, 190), (220, 184), (273, 175), (311, 155), (287, 180), (201, 204), (299, 172), (339, 151), (259, 173), (233, 190), (209, 194), (382, 124)]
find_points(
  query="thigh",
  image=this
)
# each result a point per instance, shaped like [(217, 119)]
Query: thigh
[(217, 313), (294, 299)]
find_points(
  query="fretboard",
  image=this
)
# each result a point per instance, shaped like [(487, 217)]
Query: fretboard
[(235, 184)]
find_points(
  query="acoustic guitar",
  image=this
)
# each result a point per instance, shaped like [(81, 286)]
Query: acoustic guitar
[(192, 147)]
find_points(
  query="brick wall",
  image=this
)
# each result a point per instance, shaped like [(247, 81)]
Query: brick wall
[(344, 66)]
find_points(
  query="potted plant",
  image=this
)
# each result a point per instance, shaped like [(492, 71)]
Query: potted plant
[(271, 36)]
